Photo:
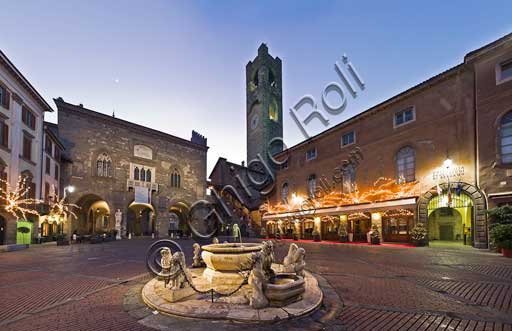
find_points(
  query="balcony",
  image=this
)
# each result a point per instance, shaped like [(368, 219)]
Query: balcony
[(131, 184)]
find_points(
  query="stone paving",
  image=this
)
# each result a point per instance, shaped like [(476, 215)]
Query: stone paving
[(96, 287)]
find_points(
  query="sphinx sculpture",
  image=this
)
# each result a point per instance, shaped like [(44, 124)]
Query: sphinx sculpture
[(294, 262), (174, 269), (257, 282)]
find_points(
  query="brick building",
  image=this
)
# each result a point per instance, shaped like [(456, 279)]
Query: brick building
[(438, 153), (127, 177)]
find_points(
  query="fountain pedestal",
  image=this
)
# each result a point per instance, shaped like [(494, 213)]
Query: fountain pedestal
[(225, 263)]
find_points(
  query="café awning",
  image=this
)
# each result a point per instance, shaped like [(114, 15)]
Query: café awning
[(326, 211)]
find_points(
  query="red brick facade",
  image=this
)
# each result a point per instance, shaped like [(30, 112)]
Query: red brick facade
[(455, 115)]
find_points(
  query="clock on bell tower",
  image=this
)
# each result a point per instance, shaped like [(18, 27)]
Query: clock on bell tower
[(264, 106)]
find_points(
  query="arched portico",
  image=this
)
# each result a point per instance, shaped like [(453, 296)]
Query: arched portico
[(93, 216), (478, 210), (141, 219)]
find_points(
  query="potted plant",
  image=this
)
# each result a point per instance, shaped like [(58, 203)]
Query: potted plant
[(295, 235), (501, 237), (342, 233), (316, 235), (498, 216), (419, 235), (62, 240), (375, 235), (351, 236)]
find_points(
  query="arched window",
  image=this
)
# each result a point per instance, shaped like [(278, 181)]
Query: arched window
[(142, 175), (312, 185), (136, 173), (273, 113), (506, 138), (405, 165), (148, 175), (284, 193), (104, 165), (175, 179)]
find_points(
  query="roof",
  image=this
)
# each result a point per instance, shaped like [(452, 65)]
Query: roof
[(223, 160), (53, 131), (65, 106), (480, 51), (415, 89), (24, 82)]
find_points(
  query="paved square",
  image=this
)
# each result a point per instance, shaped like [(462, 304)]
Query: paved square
[(82, 287)]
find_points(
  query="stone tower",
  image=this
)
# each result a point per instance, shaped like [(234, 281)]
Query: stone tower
[(264, 105)]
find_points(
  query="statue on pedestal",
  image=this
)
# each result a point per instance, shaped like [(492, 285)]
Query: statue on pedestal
[(119, 218)]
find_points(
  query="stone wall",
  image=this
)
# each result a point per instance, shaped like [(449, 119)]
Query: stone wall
[(87, 134)]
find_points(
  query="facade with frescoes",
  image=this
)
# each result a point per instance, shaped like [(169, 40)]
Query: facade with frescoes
[(437, 153)]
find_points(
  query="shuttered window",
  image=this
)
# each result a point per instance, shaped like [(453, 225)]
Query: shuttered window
[(27, 148), (4, 134), (5, 97), (28, 117)]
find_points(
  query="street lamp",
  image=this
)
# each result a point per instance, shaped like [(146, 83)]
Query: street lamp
[(70, 189)]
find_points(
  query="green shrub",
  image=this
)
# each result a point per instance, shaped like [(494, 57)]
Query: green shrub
[(501, 235), (419, 232)]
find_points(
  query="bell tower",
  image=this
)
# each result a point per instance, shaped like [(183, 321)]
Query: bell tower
[(264, 105)]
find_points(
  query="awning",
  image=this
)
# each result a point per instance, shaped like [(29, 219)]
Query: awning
[(374, 206)]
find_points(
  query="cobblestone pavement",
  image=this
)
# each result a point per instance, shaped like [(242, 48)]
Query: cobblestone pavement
[(85, 287)]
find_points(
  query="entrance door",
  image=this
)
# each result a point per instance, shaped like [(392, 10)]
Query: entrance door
[(446, 232), (2, 230)]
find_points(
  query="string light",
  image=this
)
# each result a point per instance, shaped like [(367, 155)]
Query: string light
[(15, 199), (61, 209), (383, 189)]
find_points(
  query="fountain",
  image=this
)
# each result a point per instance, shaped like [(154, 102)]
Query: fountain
[(234, 281), (226, 262)]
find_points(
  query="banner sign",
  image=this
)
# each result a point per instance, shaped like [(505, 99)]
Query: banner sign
[(142, 195)]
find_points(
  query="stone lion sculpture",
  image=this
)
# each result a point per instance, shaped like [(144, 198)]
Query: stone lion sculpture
[(257, 281)]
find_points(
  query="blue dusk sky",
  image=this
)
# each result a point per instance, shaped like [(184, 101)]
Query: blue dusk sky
[(176, 66)]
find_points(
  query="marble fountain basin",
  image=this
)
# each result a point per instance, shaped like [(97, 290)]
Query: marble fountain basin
[(229, 256), (284, 289), (225, 261)]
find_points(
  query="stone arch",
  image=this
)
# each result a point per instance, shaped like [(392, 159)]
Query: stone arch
[(93, 210), (181, 209), (479, 211)]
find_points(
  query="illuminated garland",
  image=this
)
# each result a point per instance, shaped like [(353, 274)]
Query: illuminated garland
[(61, 209), (15, 201), (383, 189)]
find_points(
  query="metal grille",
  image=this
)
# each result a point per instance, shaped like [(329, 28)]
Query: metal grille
[(457, 201)]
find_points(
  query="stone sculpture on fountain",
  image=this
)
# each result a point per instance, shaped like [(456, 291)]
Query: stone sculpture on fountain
[(294, 262), (197, 260), (257, 281)]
